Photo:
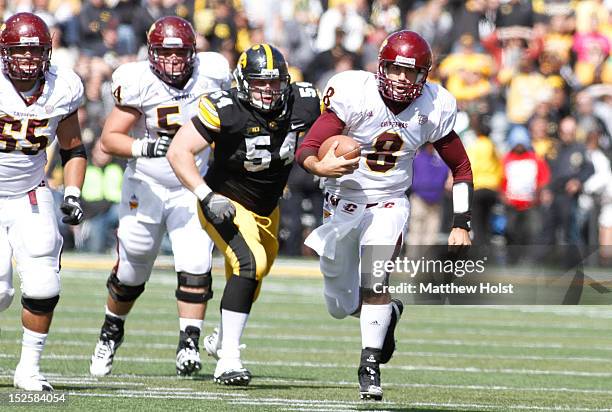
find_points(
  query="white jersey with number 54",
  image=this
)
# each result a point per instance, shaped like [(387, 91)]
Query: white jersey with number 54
[(164, 109), (388, 141)]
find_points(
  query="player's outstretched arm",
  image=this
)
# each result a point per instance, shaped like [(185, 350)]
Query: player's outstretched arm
[(187, 142), (453, 153), (74, 161), (115, 139)]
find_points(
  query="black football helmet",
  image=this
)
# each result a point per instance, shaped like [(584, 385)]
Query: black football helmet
[(266, 63)]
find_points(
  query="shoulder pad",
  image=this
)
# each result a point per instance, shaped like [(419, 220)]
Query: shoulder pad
[(70, 83), (211, 105), (126, 84), (307, 104), (304, 90), (344, 92), (215, 66), (446, 104)]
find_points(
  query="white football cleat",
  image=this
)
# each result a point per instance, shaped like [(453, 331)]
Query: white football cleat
[(212, 344), (102, 358), (229, 370), (31, 381)]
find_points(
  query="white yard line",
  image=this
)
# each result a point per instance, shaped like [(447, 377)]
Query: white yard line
[(342, 406), (442, 386), (298, 405), (408, 317), (259, 348), (421, 368), (120, 380), (142, 396), (351, 329), (314, 338), (318, 409), (505, 407)]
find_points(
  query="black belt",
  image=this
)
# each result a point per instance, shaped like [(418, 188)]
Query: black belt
[(333, 199)]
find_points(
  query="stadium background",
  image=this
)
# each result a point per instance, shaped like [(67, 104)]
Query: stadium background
[(517, 68)]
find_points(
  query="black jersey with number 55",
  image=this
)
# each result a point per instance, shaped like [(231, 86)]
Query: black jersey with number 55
[(253, 151)]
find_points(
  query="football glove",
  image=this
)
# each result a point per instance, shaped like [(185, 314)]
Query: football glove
[(218, 208), (71, 207), (151, 147)]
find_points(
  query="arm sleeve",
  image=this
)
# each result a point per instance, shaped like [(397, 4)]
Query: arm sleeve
[(327, 125), (453, 153)]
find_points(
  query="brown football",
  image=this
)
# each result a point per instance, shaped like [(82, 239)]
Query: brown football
[(347, 147)]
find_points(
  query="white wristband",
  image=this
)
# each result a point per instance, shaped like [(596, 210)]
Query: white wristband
[(202, 191), (461, 197), (72, 191), (137, 146)]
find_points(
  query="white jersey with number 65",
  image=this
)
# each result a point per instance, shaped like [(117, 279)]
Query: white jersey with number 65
[(26, 130)]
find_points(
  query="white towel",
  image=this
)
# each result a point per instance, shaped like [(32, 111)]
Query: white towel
[(346, 217)]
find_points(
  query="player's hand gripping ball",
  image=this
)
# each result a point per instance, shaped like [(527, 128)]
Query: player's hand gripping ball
[(347, 147)]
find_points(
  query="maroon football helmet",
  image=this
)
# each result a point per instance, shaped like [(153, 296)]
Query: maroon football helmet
[(407, 49), (25, 47), (171, 43)]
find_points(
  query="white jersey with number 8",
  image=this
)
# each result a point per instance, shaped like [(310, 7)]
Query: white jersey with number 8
[(388, 141)]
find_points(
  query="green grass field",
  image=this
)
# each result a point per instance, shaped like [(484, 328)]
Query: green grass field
[(449, 358)]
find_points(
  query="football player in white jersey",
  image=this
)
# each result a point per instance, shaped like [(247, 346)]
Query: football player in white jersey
[(391, 114), (37, 103), (152, 100)]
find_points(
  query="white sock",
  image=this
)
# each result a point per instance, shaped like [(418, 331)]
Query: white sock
[(374, 322), (184, 322), (109, 313), (233, 324), (32, 345), (220, 334)]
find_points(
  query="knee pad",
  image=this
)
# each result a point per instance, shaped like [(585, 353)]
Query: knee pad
[(39, 306), (39, 281), (334, 308), (203, 281), (121, 292), (6, 298), (239, 294)]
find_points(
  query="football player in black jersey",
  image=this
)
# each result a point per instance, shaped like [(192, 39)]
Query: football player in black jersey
[(254, 128)]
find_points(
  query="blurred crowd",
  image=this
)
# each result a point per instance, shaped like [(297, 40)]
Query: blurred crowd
[(533, 81)]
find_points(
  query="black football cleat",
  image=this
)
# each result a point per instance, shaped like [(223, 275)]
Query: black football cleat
[(397, 307), (369, 375), (188, 353)]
